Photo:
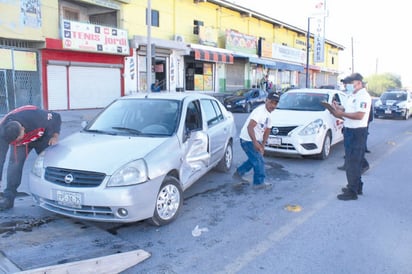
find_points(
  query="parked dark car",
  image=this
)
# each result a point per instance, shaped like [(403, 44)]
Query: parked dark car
[(245, 99), (394, 104)]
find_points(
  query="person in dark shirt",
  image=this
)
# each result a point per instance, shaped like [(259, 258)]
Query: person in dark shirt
[(156, 86), (23, 129)]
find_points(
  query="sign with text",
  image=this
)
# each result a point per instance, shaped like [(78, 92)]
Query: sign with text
[(94, 38), (319, 40), (286, 53)]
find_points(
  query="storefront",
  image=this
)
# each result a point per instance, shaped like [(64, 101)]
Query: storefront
[(83, 70), (205, 68), (167, 63)]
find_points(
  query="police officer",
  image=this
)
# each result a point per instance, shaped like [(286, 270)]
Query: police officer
[(355, 111)]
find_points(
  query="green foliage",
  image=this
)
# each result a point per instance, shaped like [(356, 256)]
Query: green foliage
[(379, 83)]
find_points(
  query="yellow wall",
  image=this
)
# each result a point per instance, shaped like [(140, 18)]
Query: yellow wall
[(33, 25), (176, 17)]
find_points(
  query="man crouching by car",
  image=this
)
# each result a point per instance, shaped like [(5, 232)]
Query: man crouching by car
[(23, 129)]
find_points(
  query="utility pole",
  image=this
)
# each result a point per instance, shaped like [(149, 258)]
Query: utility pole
[(149, 46), (307, 53)]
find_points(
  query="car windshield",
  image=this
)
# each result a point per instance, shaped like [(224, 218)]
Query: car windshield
[(303, 101), (138, 117), (396, 96)]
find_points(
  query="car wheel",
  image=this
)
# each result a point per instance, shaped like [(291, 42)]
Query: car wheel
[(406, 115), (225, 163), (248, 108), (169, 201), (325, 147)]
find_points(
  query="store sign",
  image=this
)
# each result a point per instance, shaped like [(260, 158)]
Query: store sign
[(207, 36), (241, 42), (319, 14), (94, 38), (286, 53), (319, 40)]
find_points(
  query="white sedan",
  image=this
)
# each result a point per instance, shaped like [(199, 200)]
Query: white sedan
[(135, 159), (302, 126)]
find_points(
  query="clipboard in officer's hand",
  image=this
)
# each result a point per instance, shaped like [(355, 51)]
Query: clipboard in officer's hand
[(331, 108)]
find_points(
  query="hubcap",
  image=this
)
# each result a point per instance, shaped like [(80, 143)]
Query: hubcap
[(228, 157), (168, 202)]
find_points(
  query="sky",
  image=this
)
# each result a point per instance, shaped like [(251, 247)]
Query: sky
[(379, 30)]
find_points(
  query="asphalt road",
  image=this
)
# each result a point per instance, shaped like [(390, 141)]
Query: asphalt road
[(297, 227)]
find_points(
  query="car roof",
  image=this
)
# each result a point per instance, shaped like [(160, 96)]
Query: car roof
[(396, 91), (314, 90), (180, 96)]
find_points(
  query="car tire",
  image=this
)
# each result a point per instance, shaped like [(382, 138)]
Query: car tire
[(169, 201), (225, 163), (325, 147), (406, 117), (248, 108)]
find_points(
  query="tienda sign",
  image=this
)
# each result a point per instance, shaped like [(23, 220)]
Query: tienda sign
[(94, 38)]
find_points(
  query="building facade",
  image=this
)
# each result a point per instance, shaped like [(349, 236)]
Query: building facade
[(77, 54)]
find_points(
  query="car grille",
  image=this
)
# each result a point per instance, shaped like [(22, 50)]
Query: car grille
[(283, 146), (73, 178), (95, 212), (281, 131)]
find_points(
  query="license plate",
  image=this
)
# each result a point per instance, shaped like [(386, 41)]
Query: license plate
[(228, 106), (388, 111), (274, 141), (70, 199)]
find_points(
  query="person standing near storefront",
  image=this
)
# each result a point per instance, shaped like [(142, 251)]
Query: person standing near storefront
[(355, 112)]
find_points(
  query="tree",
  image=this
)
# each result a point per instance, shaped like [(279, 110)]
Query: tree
[(379, 83)]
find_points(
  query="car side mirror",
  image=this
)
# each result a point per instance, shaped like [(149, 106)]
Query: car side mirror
[(84, 124)]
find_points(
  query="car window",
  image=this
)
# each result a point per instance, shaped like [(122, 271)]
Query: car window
[(213, 113), (397, 96), (138, 117), (303, 101), (193, 116), (336, 98)]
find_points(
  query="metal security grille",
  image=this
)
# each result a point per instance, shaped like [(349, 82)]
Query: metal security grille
[(18, 88), (4, 105)]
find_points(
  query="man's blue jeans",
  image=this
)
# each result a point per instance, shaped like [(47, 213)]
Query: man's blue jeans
[(255, 160), (355, 144)]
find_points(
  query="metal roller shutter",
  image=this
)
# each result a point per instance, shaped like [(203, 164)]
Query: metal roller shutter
[(57, 87), (235, 75), (93, 87)]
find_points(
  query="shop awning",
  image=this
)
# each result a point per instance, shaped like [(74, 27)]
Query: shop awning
[(272, 64), (213, 56)]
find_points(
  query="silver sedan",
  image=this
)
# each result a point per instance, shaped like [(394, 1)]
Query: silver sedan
[(135, 159)]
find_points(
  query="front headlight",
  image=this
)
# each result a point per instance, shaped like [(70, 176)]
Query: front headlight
[(38, 166), (312, 128), (401, 105), (130, 174), (241, 102)]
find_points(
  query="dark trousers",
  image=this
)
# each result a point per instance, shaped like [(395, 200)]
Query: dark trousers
[(17, 158), (355, 144)]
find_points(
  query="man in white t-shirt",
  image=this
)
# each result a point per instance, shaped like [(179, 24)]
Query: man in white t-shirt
[(355, 111), (253, 136)]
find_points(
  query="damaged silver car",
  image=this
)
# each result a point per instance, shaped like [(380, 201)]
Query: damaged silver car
[(135, 159)]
